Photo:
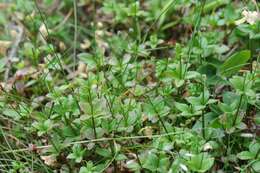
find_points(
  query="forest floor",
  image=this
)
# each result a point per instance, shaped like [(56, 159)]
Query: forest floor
[(165, 86)]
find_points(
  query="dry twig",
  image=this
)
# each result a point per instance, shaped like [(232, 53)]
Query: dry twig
[(13, 50)]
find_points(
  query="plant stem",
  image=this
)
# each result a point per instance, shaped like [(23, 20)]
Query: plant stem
[(240, 102), (257, 154), (238, 107), (203, 125), (196, 28), (203, 113), (92, 113), (159, 117), (75, 4), (113, 153), (137, 155)]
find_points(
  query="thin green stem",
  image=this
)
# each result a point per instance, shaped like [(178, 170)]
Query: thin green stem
[(196, 28), (92, 112), (159, 117), (75, 5), (203, 124), (238, 108)]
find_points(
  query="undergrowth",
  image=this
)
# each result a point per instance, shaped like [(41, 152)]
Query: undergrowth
[(94, 86)]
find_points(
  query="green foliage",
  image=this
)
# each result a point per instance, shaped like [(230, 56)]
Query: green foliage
[(77, 153), (200, 163), (235, 62), (129, 86)]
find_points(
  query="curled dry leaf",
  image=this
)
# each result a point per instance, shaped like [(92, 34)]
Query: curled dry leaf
[(186, 94), (86, 44), (20, 87), (25, 72), (43, 31), (4, 5), (144, 117), (62, 46), (6, 86), (4, 45), (148, 131), (50, 160), (99, 34), (82, 67), (32, 147)]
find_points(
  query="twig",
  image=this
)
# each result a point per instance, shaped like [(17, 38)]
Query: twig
[(96, 140), (13, 51)]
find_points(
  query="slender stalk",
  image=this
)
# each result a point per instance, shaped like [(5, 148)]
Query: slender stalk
[(56, 56), (257, 154), (203, 111), (75, 4), (7, 142), (238, 108), (164, 11), (239, 103), (159, 117), (138, 159), (201, 161), (203, 124), (196, 28), (113, 153), (92, 113)]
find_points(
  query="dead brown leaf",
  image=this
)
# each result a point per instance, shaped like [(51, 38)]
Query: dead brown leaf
[(4, 45), (50, 160), (4, 6)]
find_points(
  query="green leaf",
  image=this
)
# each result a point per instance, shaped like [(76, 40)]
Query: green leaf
[(104, 152), (89, 168), (255, 36), (11, 113), (133, 165), (182, 107), (245, 155), (254, 147), (238, 83), (77, 153), (42, 126), (235, 62), (208, 69), (201, 162), (151, 162), (256, 166), (88, 59), (212, 5)]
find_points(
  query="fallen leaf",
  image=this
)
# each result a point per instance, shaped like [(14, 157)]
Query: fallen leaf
[(4, 5), (50, 160), (4, 45), (86, 44), (148, 131)]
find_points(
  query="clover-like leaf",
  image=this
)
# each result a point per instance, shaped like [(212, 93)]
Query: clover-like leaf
[(77, 153)]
